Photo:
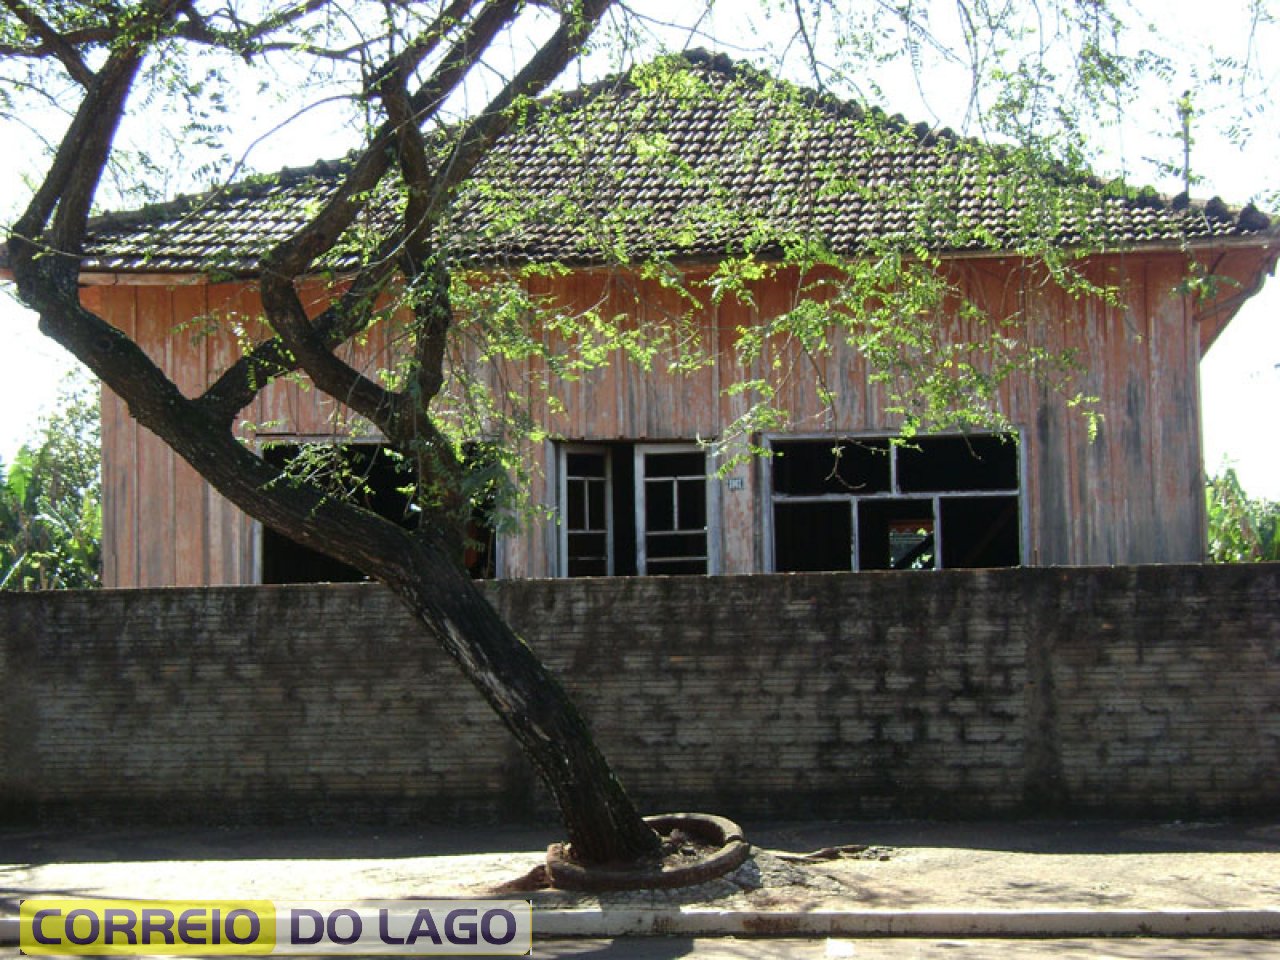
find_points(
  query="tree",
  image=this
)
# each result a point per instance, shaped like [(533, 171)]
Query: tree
[(1241, 529), (51, 501), (411, 72)]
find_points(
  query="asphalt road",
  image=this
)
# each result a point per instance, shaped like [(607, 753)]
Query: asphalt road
[(729, 948), (662, 948)]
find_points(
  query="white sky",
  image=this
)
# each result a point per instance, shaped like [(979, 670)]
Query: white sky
[(1240, 377)]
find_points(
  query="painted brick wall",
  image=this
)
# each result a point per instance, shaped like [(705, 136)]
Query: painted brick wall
[(1118, 691)]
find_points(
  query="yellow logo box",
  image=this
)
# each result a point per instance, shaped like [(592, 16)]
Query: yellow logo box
[(50, 926), (63, 927)]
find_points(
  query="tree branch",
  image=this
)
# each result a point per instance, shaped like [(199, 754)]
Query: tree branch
[(78, 164), (54, 41), (435, 312), (576, 26), (236, 388), (308, 344)]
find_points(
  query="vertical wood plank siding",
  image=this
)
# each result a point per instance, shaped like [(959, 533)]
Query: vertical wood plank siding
[(1133, 496)]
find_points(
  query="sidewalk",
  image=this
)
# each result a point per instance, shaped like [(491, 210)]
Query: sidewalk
[(1047, 878)]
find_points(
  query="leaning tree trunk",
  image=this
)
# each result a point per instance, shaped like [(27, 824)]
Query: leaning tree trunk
[(45, 245), (603, 824)]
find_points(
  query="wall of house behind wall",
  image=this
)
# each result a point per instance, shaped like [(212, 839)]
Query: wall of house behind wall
[(1133, 691), (1134, 494)]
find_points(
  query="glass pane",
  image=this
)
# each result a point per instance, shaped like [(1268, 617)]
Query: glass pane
[(895, 534), (584, 464), (588, 567), (595, 502), (911, 544), (807, 468), (940, 464), (575, 509), (668, 545), (980, 532), (670, 567), (588, 555)]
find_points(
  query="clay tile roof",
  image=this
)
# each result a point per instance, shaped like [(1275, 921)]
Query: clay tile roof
[(644, 167)]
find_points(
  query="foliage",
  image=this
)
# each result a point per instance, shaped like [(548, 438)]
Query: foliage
[(420, 92), (1241, 529), (51, 501)]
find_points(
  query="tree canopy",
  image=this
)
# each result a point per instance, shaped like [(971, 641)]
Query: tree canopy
[(423, 92)]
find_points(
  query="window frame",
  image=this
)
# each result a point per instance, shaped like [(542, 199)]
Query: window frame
[(768, 498), (564, 451), (637, 450), (710, 492)]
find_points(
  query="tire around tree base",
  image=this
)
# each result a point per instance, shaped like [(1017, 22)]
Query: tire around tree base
[(725, 835)]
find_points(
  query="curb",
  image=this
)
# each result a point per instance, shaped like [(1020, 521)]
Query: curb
[(548, 924)]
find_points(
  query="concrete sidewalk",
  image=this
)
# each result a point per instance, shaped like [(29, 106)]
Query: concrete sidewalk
[(1049, 878)]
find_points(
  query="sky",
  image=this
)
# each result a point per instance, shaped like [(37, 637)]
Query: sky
[(1240, 376)]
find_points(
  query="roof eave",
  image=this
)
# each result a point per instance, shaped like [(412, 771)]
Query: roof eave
[(1266, 242)]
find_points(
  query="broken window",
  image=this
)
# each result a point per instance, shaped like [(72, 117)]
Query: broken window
[(629, 509), (673, 508), (870, 504), (377, 479), (588, 513)]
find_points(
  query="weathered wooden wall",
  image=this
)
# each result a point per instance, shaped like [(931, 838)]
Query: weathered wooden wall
[(1132, 496)]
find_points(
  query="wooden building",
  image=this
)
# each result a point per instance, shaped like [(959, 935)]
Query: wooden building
[(624, 471)]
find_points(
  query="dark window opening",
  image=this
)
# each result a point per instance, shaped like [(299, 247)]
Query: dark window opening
[(930, 464), (586, 513), (895, 535), (812, 536), (872, 505), (675, 511), (812, 468), (624, 510), (377, 479), (608, 512), (599, 511), (980, 532)]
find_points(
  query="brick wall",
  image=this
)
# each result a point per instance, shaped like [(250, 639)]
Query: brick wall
[(1114, 691)]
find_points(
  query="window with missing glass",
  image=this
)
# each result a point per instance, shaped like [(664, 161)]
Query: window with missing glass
[(867, 503), (377, 479), (671, 511), (634, 508), (588, 513)]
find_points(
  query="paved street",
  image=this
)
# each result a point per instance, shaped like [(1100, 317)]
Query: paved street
[(728, 948), (958, 881), (661, 948)]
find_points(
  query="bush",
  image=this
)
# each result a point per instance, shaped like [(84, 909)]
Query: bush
[(51, 500), (1241, 529)]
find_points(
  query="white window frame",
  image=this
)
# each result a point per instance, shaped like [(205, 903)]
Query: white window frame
[(768, 499), (711, 492), (562, 502)]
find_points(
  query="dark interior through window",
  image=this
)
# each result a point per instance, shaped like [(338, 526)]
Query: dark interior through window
[(376, 479), (673, 518), (585, 516), (868, 504)]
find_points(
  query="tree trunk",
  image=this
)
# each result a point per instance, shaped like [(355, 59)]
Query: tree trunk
[(604, 825), (45, 244)]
